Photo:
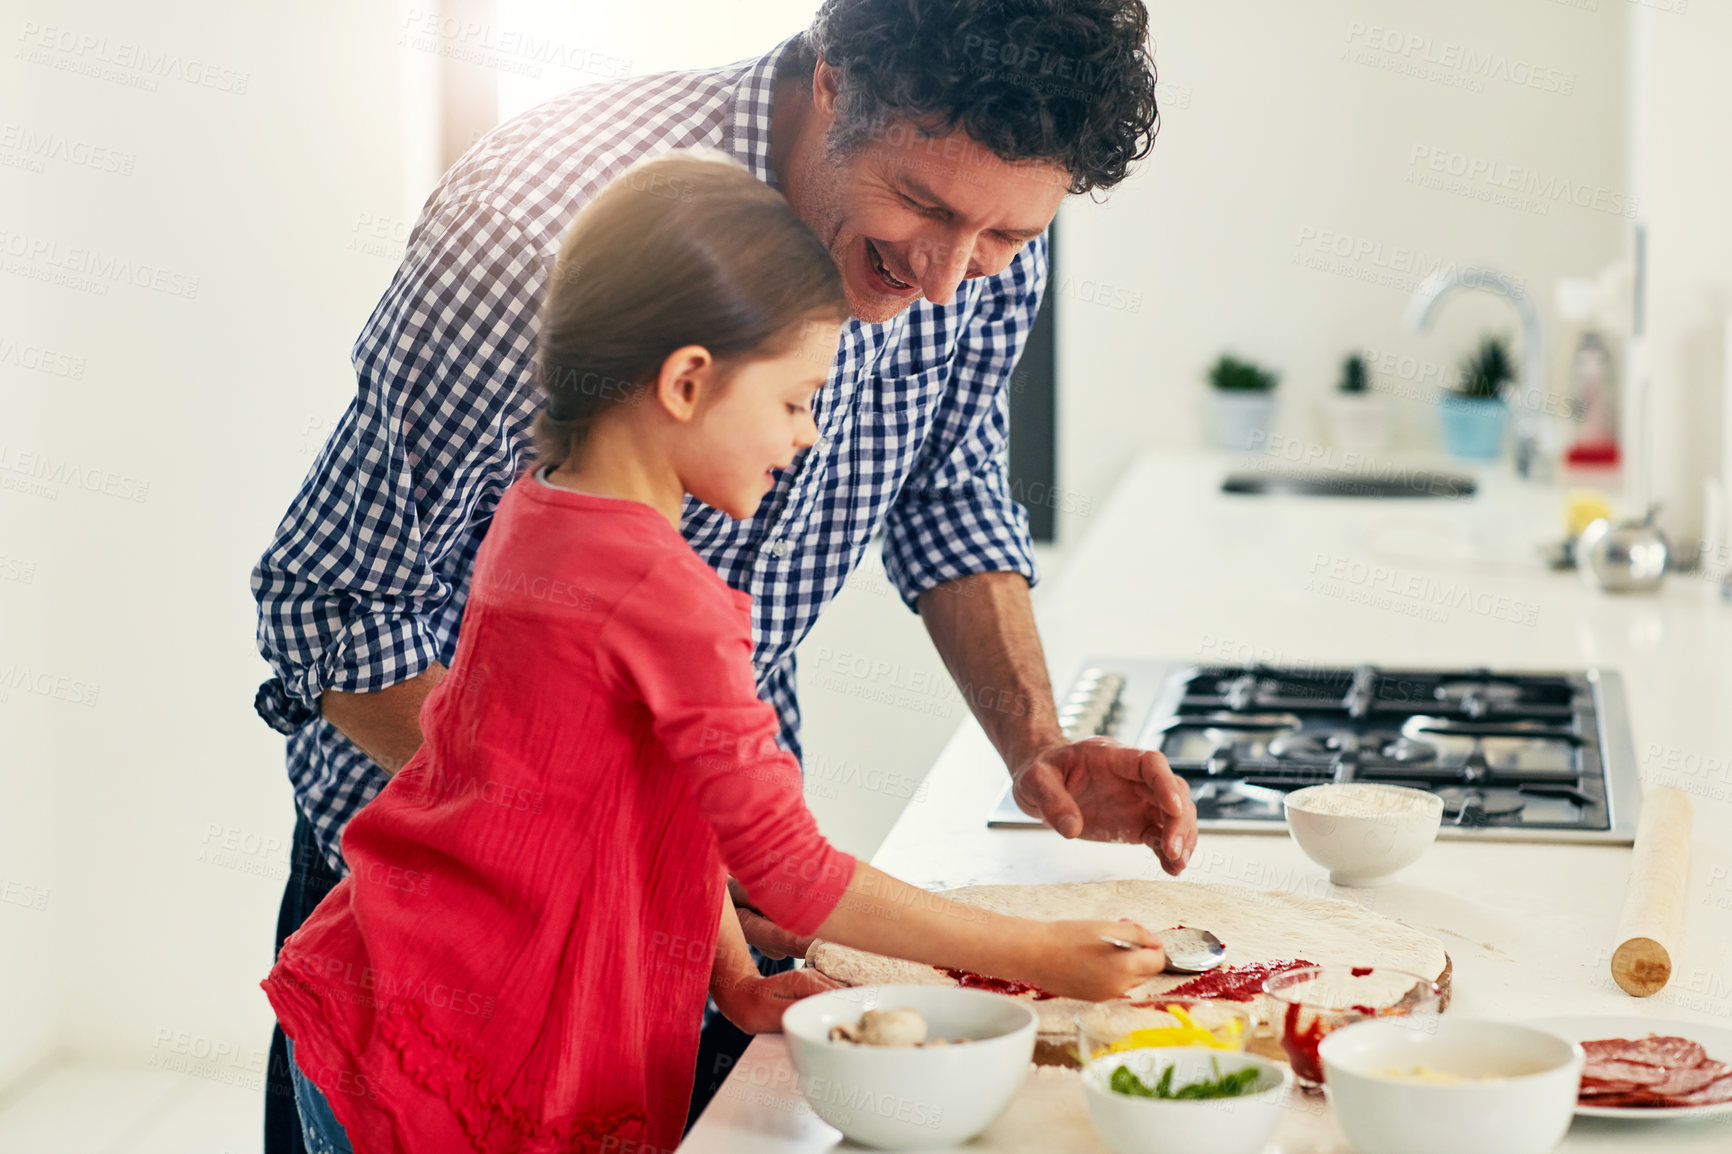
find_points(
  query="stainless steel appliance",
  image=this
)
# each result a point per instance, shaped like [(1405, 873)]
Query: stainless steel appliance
[(1516, 756)]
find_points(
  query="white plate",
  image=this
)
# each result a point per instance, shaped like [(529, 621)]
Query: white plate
[(1715, 1039)]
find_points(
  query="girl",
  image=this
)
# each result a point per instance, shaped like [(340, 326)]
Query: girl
[(537, 903)]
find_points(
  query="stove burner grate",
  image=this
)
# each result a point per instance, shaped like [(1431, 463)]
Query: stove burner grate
[(1469, 806), (1311, 745), (1405, 750), (1510, 750), (1315, 745), (1478, 698)]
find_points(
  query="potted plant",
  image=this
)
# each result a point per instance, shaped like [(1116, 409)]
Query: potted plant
[(1358, 417), (1474, 414), (1244, 397)]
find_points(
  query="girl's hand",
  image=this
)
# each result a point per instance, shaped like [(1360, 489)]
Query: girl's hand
[(1069, 958), (755, 1004)]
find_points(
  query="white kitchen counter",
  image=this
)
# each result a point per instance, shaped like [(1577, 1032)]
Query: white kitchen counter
[(1172, 568)]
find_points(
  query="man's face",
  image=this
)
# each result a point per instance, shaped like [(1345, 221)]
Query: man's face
[(905, 216)]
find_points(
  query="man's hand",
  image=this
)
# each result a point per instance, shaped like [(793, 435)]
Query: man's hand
[(1102, 790), (385, 724), (755, 1004), (1098, 789), (770, 939), (750, 1001)]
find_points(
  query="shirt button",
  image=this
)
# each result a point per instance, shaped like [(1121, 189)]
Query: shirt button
[(821, 444)]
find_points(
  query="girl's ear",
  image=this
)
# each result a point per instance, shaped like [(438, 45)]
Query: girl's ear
[(686, 374)]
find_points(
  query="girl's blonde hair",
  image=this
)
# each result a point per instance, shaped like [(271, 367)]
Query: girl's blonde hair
[(684, 248)]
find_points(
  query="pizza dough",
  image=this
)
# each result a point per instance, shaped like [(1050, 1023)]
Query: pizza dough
[(1255, 926)]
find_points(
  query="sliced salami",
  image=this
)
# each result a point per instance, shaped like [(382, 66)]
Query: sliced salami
[(1594, 1089), (1710, 1095), (1615, 1070), (1611, 1100), (1669, 1052), (1679, 1083), (1659, 1072)]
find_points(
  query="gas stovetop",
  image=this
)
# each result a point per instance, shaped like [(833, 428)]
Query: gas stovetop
[(1518, 756)]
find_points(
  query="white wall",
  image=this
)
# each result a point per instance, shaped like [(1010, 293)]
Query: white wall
[(194, 419), (637, 39), (1684, 167), (1285, 127), (28, 797)]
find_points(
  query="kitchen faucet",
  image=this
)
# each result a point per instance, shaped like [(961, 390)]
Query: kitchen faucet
[(1530, 396)]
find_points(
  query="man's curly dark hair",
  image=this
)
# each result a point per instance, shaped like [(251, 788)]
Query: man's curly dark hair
[(1065, 81)]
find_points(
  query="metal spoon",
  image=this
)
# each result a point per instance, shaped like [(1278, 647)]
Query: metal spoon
[(1189, 951)]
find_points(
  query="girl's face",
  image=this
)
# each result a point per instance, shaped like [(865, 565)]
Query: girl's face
[(756, 424)]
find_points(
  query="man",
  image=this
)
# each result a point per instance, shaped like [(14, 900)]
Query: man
[(928, 147)]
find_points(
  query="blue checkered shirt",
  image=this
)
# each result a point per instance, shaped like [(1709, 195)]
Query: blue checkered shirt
[(364, 584)]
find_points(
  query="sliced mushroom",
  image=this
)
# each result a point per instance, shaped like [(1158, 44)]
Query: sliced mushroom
[(902, 1026)]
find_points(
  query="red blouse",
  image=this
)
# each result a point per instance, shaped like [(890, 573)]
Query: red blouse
[(519, 957)]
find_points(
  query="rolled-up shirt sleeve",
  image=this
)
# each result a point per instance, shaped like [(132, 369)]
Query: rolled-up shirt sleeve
[(677, 645), (346, 585), (956, 515)]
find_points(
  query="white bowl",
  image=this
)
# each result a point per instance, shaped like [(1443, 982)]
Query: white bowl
[(1523, 1108), (1362, 832), (1132, 1125), (907, 1098)]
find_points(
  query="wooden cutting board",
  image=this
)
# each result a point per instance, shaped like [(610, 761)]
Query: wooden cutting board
[(1255, 926)]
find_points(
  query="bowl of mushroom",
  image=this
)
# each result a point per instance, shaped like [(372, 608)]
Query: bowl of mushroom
[(909, 1067)]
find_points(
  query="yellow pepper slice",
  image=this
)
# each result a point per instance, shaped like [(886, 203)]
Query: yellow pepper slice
[(1188, 1033)]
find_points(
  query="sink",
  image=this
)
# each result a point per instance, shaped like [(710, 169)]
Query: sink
[(1326, 483)]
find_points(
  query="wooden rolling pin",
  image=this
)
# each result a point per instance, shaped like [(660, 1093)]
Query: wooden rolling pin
[(1653, 917)]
